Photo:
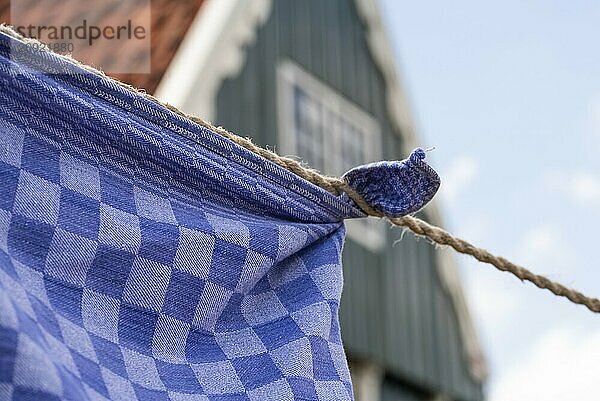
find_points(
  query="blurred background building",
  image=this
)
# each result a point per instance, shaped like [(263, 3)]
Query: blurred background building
[(317, 79)]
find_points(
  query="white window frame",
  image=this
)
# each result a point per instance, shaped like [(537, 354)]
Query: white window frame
[(369, 232)]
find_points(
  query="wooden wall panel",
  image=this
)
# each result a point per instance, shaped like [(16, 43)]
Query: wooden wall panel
[(394, 309)]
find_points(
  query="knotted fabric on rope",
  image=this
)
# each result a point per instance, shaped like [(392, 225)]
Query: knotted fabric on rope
[(146, 257)]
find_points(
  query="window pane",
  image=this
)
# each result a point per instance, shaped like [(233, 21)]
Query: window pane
[(331, 134)]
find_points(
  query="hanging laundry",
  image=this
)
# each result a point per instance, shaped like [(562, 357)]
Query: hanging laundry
[(145, 257)]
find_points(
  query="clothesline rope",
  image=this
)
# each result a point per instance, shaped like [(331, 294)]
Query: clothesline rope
[(419, 227), (337, 186)]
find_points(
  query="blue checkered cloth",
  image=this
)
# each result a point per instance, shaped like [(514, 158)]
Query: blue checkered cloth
[(144, 257)]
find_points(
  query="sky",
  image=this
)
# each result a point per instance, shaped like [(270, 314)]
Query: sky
[(509, 94)]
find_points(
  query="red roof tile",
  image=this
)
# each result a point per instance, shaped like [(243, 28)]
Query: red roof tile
[(170, 21)]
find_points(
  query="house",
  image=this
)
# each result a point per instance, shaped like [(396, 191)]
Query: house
[(317, 79)]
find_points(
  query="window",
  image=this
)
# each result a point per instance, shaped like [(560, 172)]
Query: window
[(329, 133)]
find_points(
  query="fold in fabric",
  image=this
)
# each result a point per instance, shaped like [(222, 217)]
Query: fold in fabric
[(144, 257), (395, 188)]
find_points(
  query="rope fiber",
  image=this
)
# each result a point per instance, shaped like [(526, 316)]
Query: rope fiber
[(337, 186), (419, 227)]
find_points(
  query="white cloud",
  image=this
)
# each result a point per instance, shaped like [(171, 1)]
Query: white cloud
[(595, 116), (540, 240), (476, 227), (545, 250), (580, 187), (493, 298), (585, 188), (563, 365), (457, 177)]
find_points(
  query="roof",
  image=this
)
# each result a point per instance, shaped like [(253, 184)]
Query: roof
[(170, 21)]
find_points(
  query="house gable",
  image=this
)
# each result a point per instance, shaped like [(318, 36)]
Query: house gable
[(402, 306)]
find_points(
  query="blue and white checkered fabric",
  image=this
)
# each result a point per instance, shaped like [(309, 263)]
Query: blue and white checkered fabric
[(143, 257)]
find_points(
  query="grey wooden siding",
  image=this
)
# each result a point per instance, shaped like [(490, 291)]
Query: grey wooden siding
[(395, 390), (394, 309)]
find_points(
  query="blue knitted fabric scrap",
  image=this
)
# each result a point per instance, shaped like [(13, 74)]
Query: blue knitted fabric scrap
[(396, 188), (144, 257)]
